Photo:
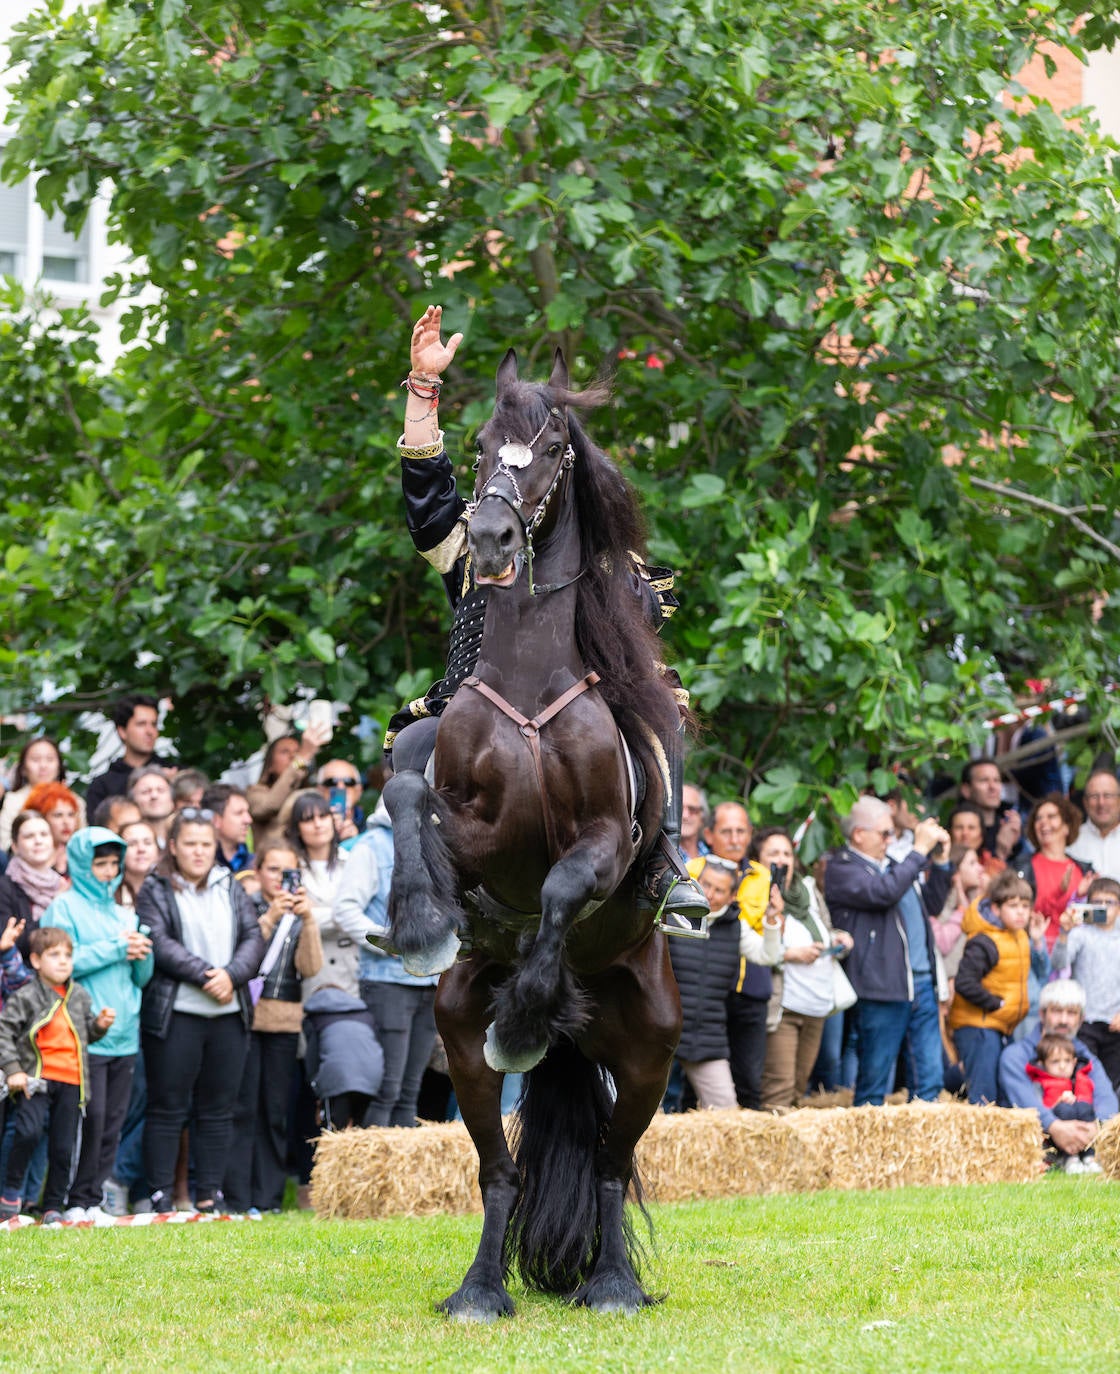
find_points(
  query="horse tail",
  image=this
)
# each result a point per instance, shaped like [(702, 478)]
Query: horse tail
[(424, 903), (554, 1234)]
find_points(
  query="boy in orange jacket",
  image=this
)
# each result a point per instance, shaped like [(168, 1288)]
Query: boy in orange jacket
[(990, 994)]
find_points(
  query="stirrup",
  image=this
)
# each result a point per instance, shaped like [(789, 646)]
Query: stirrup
[(673, 923)]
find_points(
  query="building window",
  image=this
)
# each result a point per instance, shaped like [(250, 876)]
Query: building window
[(33, 245)]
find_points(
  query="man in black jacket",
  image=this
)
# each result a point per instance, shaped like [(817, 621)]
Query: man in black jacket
[(892, 964), (137, 720)]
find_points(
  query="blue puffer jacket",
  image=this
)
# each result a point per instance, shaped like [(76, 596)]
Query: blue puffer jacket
[(864, 901), (99, 929)]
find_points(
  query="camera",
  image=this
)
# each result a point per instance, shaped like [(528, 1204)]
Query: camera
[(290, 881), (1088, 915), (778, 875)]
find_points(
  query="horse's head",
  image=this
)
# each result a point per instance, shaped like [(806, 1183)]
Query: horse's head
[(524, 452)]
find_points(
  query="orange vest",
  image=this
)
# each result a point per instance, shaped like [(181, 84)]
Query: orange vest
[(1007, 979)]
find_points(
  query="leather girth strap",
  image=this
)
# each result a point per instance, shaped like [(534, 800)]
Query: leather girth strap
[(531, 731)]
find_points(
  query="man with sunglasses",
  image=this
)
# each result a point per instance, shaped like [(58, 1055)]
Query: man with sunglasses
[(892, 964), (336, 774)]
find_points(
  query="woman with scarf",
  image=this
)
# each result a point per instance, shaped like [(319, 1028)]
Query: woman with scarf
[(31, 882), (804, 989)]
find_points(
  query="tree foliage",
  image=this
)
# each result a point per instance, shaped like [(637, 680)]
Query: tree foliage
[(861, 304)]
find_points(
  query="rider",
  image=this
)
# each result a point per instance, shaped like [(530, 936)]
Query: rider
[(435, 513)]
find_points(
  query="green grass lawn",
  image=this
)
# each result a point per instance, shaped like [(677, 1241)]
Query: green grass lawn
[(992, 1278)]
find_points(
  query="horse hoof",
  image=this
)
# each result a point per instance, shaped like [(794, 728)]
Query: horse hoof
[(477, 1303), (613, 1293), (434, 959), (502, 1061)]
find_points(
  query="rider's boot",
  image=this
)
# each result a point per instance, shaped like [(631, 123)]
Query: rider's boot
[(669, 887)]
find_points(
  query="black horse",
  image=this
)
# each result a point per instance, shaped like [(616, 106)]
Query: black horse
[(528, 850)]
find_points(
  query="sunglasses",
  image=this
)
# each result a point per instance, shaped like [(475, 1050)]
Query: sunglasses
[(340, 782), (196, 813), (724, 865)]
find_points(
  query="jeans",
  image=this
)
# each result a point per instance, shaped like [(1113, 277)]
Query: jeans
[(200, 1059), (257, 1170), (406, 1028), (883, 1029), (56, 1116), (129, 1166), (746, 1038), (110, 1087), (980, 1048)]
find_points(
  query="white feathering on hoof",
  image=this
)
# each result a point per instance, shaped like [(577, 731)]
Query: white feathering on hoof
[(434, 959), (501, 1062)]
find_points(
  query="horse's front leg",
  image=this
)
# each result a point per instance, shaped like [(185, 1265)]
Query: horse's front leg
[(634, 1036), (462, 1010), (541, 1000), (424, 912)]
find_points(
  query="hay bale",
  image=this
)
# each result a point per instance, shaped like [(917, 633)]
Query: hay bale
[(433, 1169), (1107, 1148), (381, 1172), (724, 1154), (921, 1143)]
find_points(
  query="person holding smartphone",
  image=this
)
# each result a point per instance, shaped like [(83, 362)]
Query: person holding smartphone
[(1091, 948), (256, 1171), (341, 784), (804, 988)]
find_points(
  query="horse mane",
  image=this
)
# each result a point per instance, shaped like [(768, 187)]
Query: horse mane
[(613, 630)]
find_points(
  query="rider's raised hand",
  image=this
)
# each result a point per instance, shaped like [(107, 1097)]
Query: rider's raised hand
[(429, 353)]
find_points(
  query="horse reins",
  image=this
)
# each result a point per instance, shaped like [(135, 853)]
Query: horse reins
[(531, 733)]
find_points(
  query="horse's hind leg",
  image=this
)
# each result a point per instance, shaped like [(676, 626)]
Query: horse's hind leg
[(424, 911), (635, 1033), (541, 1000), (462, 1008)]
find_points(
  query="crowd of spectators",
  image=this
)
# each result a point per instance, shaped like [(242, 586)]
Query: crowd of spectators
[(189, 994), (917, 960)]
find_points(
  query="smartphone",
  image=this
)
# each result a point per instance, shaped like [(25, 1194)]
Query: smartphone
[(338, 801), (778, 875), (835, 950), (290, 881), (321, 714), (1089, 915)]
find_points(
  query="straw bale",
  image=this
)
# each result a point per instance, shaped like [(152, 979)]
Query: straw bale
[(724, 1154), (1107, 1148), (433, 1169), (380, 1172), (921, 1143)]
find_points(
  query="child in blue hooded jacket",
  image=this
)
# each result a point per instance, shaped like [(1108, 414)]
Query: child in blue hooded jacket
[(113, 962)]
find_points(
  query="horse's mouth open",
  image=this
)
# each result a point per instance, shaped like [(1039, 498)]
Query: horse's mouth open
[(505, 578)]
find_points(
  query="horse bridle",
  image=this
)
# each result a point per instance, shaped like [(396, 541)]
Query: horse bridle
[(531, 523)]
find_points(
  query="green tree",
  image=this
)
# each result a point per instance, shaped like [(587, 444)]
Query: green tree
[(862, 310)]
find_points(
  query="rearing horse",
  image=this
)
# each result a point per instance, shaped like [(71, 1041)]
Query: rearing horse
[(526, 850)]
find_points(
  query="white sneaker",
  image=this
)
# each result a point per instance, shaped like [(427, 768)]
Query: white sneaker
[(100, 1217), (1090, 1166), (73, 1214), (114, 1198), (1073, 1165)]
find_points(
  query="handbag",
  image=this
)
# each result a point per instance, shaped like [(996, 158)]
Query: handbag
[(843, 994)]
